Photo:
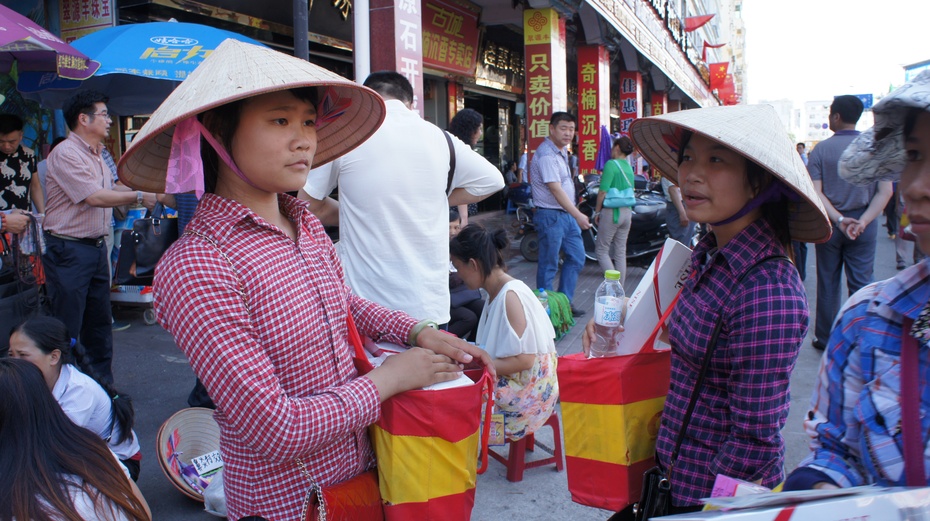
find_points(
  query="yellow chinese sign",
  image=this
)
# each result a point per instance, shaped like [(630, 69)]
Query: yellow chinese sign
[(450, 37), (593, 108)]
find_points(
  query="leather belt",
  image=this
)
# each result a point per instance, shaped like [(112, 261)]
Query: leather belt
[(90, 242)]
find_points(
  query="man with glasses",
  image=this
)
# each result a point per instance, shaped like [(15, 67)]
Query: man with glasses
[(78, 216)]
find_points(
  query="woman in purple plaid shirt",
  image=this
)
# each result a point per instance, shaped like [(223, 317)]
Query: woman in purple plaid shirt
[(738, 172)]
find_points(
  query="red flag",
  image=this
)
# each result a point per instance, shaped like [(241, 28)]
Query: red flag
[(727, 91), (718, 74), (692, 23), (712, 46)]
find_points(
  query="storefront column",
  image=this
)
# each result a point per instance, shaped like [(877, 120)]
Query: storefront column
[(546, 81), (397, 42), (593, 103)]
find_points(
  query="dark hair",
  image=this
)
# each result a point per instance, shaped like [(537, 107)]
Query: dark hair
[(775, 213), (625, 144), (10, 123), (558, 117), (41, 446), (486, 247), (222, 122), (391, 85), (454, 214), (49, 334), (82, 103), (848, 107), (465, 123), (800, 145)]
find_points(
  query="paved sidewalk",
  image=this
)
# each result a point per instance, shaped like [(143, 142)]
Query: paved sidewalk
[(155, 373)]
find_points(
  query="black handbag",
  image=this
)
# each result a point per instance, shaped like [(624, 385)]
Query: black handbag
[(656, 498), (19, 293), (151, 237)]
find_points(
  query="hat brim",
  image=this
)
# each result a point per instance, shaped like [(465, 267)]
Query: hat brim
[(199, 434), (755, 133), (237, 71)]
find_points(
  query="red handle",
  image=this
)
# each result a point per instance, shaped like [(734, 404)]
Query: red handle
[(356, 340), (486, 432)]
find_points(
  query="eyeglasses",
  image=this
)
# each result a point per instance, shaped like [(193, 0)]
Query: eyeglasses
[(103, 114)]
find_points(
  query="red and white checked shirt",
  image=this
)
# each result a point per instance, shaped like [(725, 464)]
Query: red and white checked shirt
[(274, 357)]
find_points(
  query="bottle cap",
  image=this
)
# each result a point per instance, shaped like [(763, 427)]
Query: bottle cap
[(612, 275)]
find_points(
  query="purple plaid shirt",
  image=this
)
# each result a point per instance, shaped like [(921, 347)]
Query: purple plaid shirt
[(736, 426)]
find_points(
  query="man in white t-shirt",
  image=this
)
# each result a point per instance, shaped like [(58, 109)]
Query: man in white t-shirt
[(392, 210)]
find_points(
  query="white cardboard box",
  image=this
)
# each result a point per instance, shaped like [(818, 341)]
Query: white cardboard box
[(641, 314), (864, 504)]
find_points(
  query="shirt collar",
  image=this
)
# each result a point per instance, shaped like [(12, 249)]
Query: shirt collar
[(62, 384), (745, 249), (908, 292), (560, 151), (84, 144), (223, 214)]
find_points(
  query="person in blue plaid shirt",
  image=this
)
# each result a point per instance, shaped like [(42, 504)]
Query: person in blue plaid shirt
[(856, 412), (738, 172)]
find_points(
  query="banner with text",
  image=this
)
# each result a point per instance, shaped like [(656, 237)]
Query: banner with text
[(450, 37), (593, 103), (546, 82), (631, 99)]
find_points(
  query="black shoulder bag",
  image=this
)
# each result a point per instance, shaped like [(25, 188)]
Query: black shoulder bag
[(656, 498)]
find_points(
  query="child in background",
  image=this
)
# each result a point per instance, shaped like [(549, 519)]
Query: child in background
[(514, 329), (465, 304)]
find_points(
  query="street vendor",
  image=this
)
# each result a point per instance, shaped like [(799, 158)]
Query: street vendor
[(253, 292)]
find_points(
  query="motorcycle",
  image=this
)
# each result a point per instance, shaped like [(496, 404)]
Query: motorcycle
[(648, 230)]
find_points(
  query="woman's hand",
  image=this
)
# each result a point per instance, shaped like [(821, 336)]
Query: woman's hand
[(412, 369), (587, 337), (455, 348)]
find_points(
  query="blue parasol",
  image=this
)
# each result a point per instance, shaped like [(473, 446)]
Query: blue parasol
[(603, 149), (140, 64)]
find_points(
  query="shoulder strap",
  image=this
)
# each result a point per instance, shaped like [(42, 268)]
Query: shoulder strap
[(451, 161), (914, 466), (712, 346)]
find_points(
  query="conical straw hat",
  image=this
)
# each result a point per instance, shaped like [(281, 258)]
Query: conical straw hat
[(238, 70), (754, 131)]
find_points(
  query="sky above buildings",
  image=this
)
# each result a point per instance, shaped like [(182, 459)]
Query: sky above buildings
[(806, 50)]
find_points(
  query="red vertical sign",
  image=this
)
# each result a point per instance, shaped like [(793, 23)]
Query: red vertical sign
[(546, 85), (659, 104), (593, 103), (409, 34), (631, 99)]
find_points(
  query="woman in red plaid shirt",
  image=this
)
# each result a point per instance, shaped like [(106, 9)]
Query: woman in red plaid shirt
[(253, 291)]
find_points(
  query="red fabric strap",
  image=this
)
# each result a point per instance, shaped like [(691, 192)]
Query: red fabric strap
[(914, 468)]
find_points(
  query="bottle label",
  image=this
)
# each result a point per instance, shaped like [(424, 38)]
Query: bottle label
[(608, 311)]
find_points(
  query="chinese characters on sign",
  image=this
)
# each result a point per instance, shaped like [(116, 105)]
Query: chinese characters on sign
[(409, 55), (631, 95), (450, 37), (82, 17), (593, 105), (546, 91)]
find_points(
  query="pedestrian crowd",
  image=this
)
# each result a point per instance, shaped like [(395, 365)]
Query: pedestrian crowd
[(263, 303)]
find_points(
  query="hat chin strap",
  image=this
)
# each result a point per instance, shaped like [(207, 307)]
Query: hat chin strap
[(185, 164), (775, 191)]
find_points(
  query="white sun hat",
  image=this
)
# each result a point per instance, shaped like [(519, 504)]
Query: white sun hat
[(755, 132), (878, 153), (348, 113)]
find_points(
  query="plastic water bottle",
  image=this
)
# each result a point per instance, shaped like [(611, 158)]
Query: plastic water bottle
[(544, 300), (609, 307)]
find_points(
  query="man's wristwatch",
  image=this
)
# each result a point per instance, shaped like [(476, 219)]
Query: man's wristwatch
[(839, 222), (139, 198)]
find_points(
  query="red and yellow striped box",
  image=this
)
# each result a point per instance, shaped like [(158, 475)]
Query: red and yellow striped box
[(427, 445), (611, 409)]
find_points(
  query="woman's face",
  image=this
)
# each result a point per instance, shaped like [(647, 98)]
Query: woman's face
[(915, 179), (275, 141), (713, 181), (469, 272), (22, 347)]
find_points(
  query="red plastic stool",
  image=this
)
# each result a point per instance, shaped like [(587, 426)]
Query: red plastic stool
[(516, 460)]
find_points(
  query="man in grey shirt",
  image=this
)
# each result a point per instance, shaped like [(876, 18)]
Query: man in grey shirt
[(852, 209), (558, 221)]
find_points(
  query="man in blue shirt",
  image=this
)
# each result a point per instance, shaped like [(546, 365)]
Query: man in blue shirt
[(558, 221), (852, 209)]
